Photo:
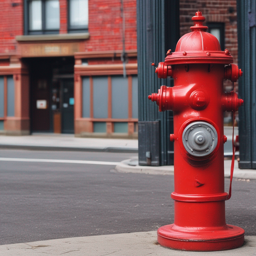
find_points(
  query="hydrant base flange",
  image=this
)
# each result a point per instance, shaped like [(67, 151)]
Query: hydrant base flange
[(226, 238)]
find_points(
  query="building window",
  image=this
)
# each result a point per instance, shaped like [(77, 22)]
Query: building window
[(78, 16), (119, 97), (120, 127), (99, 127), (218, 30), (1, 97), (10, 96), (100, 97), (42, 17)]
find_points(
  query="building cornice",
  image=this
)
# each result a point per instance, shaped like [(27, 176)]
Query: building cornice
[(59, 37), (104, 54), (110, 69)]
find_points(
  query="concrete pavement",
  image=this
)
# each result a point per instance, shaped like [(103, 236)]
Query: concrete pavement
[(132, 244), (62, 142), (68, 143)]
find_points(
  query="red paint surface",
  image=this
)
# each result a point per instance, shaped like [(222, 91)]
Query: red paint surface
[(198, 95), (223, 11)]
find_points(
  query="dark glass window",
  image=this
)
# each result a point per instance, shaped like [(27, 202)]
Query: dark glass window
[(77, 16), (218, 30), (42, 17)]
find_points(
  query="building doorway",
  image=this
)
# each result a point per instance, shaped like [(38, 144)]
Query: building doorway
[(51, 95), (67, 110)]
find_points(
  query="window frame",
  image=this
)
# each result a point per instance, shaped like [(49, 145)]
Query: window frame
[(221, 27), (42, 31), (78, 29)]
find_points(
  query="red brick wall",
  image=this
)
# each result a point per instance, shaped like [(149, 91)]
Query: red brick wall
[(213, 11), (11, 24), (105, 24), (63, 16)]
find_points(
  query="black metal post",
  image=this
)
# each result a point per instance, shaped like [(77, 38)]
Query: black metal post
[(246, 13), (158, 31)]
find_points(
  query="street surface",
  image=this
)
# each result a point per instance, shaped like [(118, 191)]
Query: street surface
[(61, 199)]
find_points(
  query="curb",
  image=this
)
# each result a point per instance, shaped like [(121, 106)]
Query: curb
[(129, 166), (88, 149), (163, 170)]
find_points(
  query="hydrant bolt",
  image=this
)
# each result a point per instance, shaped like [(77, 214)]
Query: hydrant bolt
[(172, 137)]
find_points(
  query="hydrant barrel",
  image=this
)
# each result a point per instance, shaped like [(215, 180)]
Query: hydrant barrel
[(198, 67)]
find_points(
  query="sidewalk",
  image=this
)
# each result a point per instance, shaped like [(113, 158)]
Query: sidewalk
[(132, 244), (64, 142), (68, 143)]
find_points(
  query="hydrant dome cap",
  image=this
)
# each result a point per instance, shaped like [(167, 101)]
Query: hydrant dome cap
[(198, 41), (198, 46)]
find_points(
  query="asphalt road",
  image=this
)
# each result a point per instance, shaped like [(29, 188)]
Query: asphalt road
[(40, 201)]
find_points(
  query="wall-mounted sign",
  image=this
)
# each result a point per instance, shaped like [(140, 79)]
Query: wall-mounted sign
[(49, 49), (41, 104), (52, 49)]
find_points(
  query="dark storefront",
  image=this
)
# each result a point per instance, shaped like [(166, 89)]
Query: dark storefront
[(52, 94)]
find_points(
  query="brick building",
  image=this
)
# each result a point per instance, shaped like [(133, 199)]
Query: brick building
[(61, 67)]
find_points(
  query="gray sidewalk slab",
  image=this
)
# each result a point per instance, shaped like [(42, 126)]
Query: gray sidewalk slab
[(132, 244), (68, 143), (64, 142)]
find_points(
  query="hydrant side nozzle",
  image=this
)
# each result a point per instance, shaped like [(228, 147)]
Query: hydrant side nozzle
[(231, 102), (163, 98), (232, 72), (153, 97), (163, 71), (225, 138)]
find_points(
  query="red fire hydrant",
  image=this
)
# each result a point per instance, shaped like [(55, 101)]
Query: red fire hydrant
[(198, 68)]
